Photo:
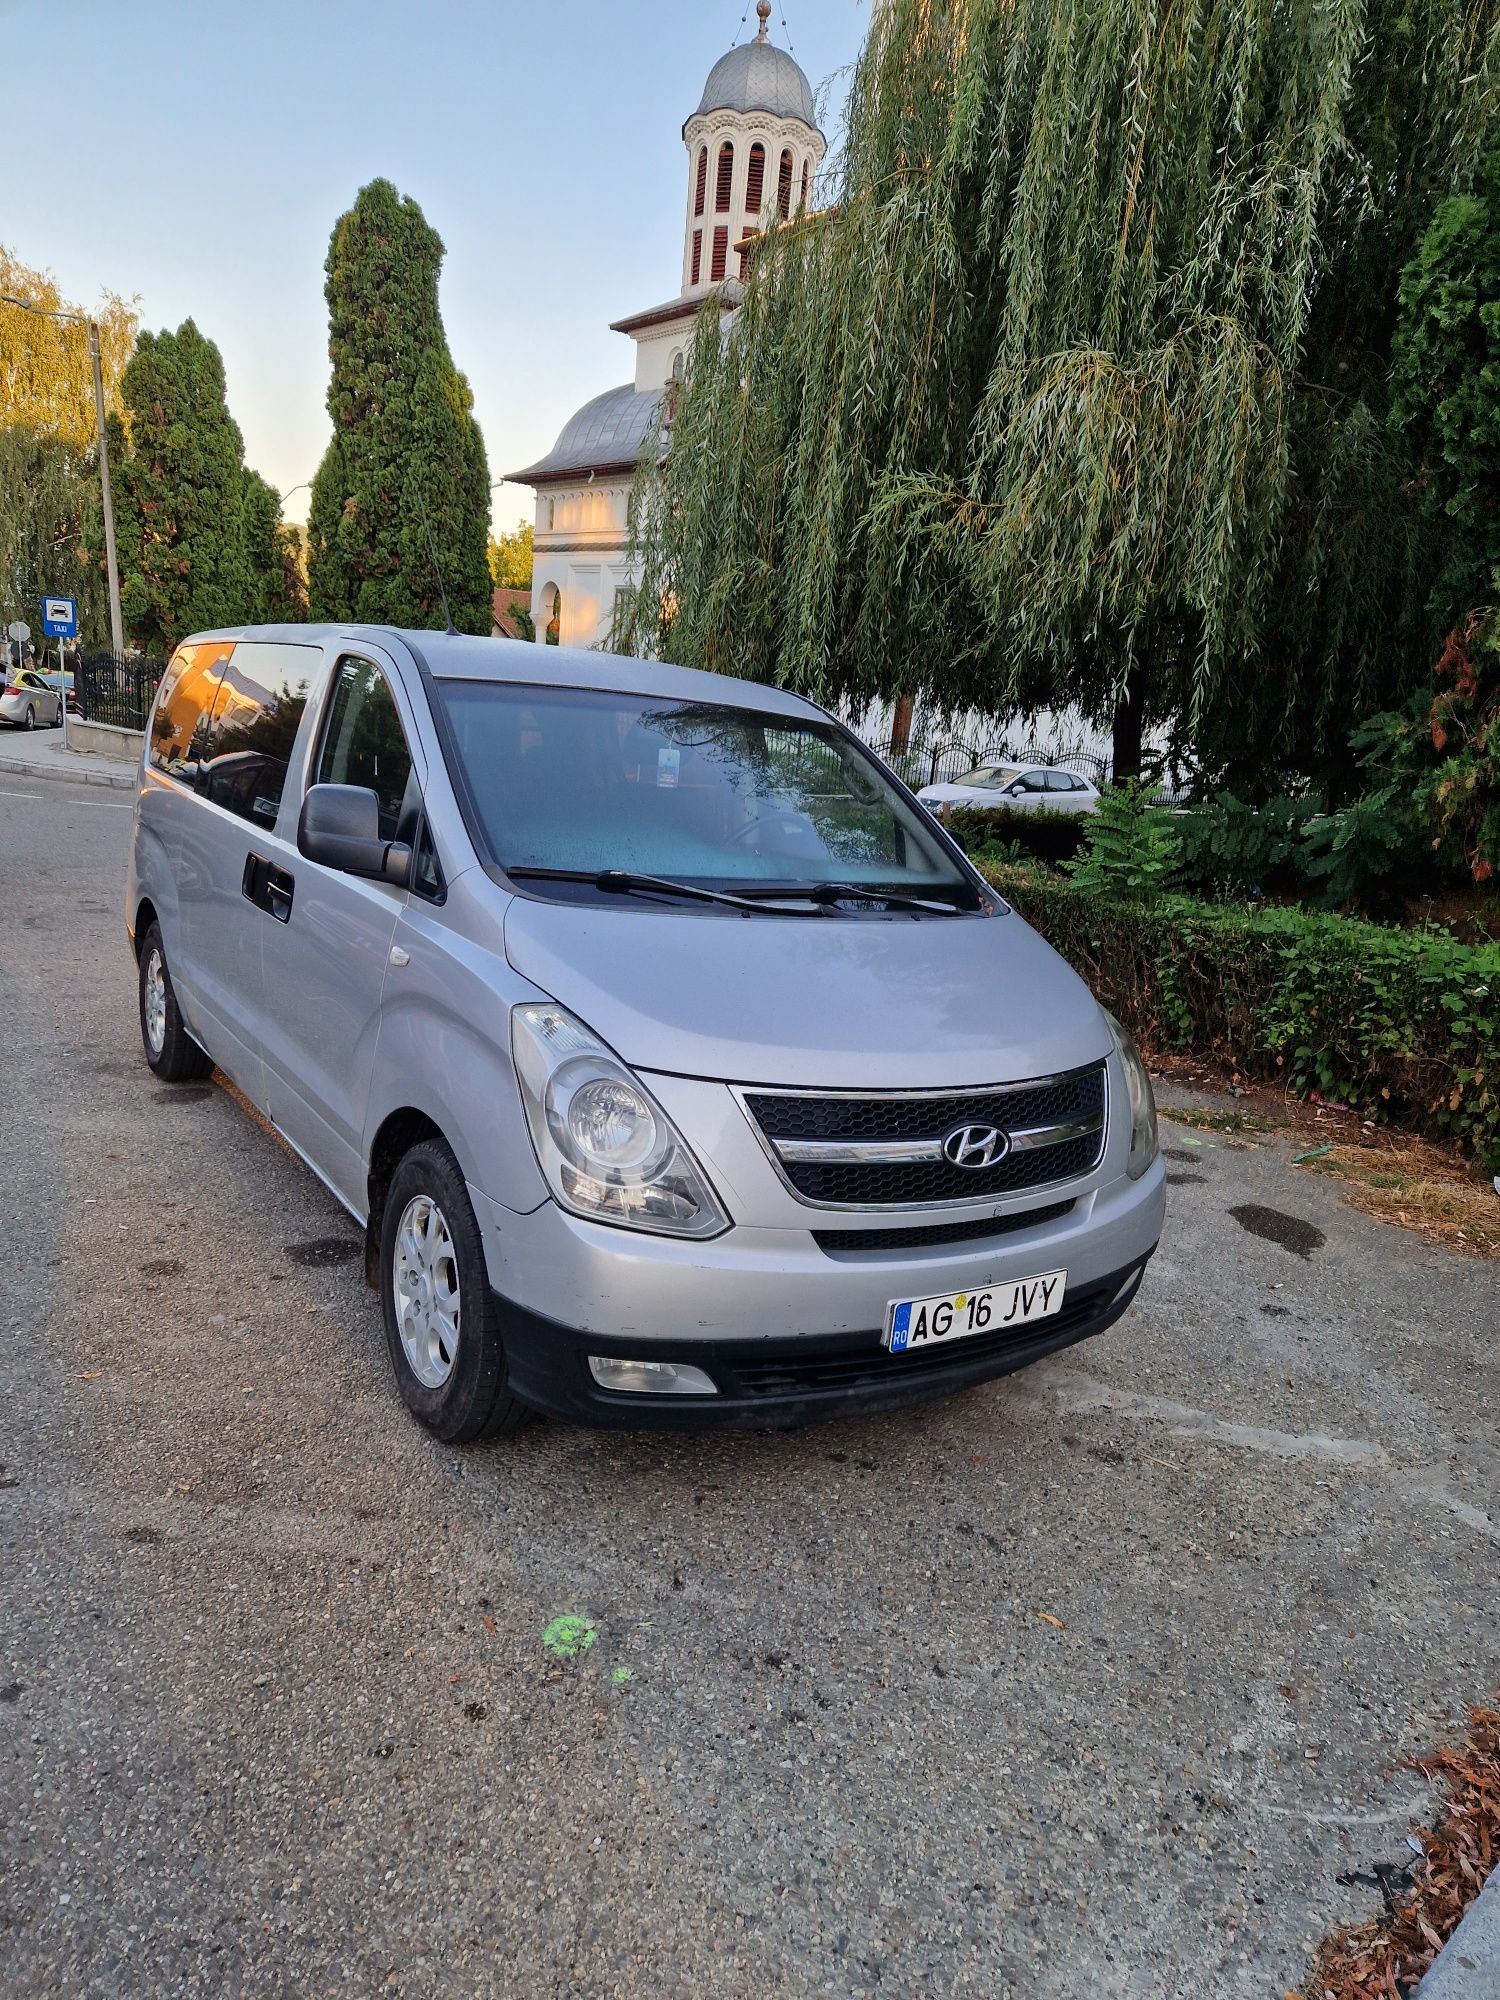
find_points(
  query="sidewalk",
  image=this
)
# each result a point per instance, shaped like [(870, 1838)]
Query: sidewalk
[(1468, 1966), (39, 753)]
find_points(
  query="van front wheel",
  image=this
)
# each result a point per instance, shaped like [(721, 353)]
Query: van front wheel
[(442, 1321)]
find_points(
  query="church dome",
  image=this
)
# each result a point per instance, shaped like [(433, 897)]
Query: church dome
[(757, 76), (605, 435)]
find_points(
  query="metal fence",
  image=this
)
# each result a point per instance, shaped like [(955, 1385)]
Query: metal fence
[(117, 687)]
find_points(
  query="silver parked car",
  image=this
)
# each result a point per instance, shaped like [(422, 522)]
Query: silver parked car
[(1018, 787), (27, 702), (675, 1065)]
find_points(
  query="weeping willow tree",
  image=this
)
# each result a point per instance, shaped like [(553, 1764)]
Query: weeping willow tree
[(1076, 390)]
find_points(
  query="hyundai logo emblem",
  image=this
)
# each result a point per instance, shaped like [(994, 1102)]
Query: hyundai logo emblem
[(975, 1146)]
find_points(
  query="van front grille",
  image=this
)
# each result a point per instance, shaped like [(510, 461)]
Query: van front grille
[(823, 1141), (932, 1235)]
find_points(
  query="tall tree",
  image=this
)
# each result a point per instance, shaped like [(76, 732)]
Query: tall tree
[(1446, 400), (272, 555), (197, 532), (49, 480), (404, 435), (46, 374), (511, 558), (48, 491), (1077, 393)]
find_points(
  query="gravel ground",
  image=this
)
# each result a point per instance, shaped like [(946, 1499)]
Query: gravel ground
[(1090, 1682)]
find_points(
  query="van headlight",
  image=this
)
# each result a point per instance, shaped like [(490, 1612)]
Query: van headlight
[(1142, 1101), (606, 1147)]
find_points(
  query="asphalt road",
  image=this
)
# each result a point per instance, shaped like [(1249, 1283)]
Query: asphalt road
[(1091, 1683)]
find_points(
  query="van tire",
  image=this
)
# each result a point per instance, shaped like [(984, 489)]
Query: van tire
[(475, 1400), (178, 1058)]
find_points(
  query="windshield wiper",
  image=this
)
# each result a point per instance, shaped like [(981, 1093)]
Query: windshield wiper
[(624, 882), (827, 894)]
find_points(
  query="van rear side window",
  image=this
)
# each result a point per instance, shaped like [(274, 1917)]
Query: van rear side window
[(262, 694), (179, 726)]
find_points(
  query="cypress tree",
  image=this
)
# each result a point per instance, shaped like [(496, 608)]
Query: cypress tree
[(1077, 393), (179, 495), (279, 595), (404, 435)]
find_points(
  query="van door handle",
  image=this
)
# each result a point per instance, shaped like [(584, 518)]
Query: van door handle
[(268, 887)]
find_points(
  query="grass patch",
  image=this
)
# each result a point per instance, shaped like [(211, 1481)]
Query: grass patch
[(1419, 1188)]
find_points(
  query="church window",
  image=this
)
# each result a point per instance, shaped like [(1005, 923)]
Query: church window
[(784, 186), (806, 174), (721, 253), (677, 366), (726, 177), (755, 185), (551, 514), (697, 255), (702, 185)]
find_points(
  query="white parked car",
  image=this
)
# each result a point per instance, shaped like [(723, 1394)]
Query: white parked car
[(26, 701), (1025, 786)]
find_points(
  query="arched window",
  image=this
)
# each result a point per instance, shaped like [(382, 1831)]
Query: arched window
[(551, 628), (551, 515), (806, 176), (784, 186), (725, 177), (755, 185), (702, 185), (697, 255), (721, 253), (677, 366)]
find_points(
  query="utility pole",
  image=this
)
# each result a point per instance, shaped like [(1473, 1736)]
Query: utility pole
[(116, 627)]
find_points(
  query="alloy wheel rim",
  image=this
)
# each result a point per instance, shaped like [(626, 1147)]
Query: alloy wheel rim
[(156, 1002), (428, 1309)]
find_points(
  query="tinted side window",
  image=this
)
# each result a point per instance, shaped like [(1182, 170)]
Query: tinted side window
[(179, 725), (364, 743), (256, 713), (1033, 781), (1059, 781)]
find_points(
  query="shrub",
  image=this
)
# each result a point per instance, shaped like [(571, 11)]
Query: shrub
[(1049, 836), (1227, 848), (1462, 795), (1128, 846), (1398, 1024)]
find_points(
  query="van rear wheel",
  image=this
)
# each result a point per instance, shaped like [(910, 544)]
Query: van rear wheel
[(171, 1051), (442, 1321)]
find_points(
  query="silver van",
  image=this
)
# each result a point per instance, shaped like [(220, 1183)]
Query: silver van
[(675, 1063)]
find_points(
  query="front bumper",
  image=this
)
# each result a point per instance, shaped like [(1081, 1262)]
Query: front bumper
[(778, 1382)]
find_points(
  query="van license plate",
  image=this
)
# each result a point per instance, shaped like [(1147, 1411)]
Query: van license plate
[(916, 1323)]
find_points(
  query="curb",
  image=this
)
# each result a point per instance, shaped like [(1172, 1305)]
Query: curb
[(118, 780), (1469, 1963)]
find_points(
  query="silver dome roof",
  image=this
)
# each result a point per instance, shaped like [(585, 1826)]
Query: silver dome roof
[(757, 76), (607, 432)]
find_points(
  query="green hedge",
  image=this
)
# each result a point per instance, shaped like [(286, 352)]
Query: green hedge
[(1050, 836), (1400, 1024)]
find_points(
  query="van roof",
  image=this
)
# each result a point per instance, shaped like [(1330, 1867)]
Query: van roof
[(462, 656)]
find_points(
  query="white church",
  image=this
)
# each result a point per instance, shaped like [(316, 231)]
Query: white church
[(753, 149)]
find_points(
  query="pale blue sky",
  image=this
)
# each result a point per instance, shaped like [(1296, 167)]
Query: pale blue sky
[(197, 152)]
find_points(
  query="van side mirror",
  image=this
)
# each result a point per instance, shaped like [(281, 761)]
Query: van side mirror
[(339, 826)]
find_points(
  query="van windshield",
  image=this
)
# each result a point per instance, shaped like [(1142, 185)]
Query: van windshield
[(584, 781)]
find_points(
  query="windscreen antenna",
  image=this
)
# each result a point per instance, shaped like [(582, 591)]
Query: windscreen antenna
[(437, 569)]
